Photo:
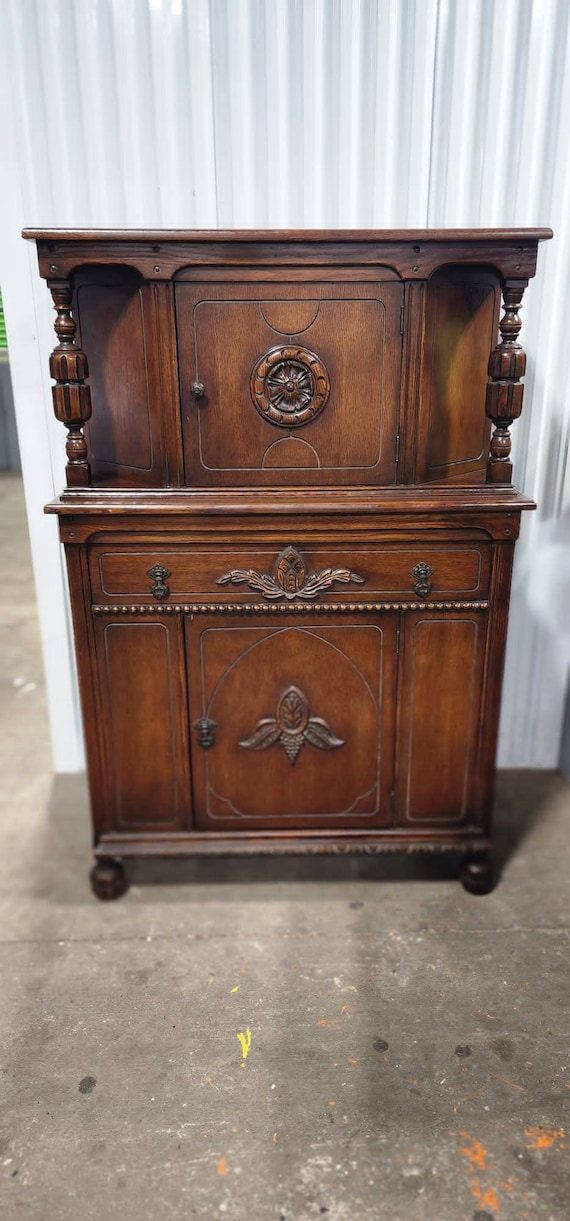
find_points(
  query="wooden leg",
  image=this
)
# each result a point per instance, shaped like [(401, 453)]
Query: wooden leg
[(108, 879), (476, 873)]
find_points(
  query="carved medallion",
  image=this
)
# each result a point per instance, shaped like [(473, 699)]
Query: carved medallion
[(290, 578), (289, 386), (291, 727)]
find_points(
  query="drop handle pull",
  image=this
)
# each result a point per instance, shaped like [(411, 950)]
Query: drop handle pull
[(199, 391), (158, 574), (422, 574)]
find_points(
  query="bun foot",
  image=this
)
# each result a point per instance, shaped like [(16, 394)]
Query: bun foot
[(477, 875), (108, 879)]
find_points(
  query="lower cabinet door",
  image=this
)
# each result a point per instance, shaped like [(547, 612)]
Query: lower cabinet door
[(292, 721), (144, 725), (439, 731)]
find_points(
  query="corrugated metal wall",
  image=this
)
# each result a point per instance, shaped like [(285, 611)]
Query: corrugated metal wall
[(356, 113)]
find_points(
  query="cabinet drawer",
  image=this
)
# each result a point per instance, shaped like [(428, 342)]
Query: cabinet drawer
[(173, 573)]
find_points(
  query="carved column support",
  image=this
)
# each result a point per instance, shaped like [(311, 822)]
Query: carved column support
[(504, 398), (71, 397)]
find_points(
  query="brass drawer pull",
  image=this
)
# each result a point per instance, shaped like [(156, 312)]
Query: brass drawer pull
[(423, 574), (158, 574)]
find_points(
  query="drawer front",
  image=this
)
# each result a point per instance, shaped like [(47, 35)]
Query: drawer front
[(172, 573)]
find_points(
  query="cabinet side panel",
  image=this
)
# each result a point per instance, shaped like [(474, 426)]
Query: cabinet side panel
[(141, 673), (118, 329), (443, 665), (461, 321)]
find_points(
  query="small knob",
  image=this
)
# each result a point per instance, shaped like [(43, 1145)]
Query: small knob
[(198, 390)]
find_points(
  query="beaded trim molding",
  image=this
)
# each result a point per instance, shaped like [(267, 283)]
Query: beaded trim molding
[(262, 608)]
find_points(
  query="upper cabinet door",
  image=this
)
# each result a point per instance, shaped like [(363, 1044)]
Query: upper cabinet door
[(289, 383)]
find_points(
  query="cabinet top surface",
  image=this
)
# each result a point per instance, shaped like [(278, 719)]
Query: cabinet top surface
[(288, 235)]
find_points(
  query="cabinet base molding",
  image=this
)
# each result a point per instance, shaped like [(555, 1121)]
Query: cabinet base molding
[(109, 878)]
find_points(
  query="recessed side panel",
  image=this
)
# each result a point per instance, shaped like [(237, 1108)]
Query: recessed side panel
[(289, 383), (440, 699), (461, 325), (141, 668), (292, 723), (118, 331)]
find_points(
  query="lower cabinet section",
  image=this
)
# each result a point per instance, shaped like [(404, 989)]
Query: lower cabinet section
[(289, 722), (293, 722), (144, 725), (441, 680)]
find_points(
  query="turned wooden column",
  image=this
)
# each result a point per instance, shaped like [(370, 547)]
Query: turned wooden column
[(71, 397), (504, 397)]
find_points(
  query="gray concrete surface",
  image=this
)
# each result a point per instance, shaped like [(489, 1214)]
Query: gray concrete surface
[(409, 1053)]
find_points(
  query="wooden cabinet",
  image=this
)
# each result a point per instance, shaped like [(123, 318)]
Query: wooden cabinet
[(289, 524)]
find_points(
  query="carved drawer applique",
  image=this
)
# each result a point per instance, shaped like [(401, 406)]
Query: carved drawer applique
[(290, 578), (292, 727)]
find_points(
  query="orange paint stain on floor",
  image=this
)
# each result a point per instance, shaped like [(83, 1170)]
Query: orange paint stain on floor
[(485, 1196), (222, 1166), (476, 1155), (544, 1138), (475, 1152)]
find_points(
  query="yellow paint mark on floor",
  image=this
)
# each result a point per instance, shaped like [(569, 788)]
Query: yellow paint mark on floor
[(222, 1166), (245, 1043), (237, 988)]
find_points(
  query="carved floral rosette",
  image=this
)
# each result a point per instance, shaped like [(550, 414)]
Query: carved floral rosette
[(289, 386)]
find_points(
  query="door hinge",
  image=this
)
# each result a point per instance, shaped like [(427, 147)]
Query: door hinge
[(397, 456), (402, 314)]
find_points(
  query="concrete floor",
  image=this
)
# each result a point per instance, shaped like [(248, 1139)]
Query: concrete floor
[(409, 1054)]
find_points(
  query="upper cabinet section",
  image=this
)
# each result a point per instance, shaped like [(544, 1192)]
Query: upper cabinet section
[(260, 360), (290, 383)]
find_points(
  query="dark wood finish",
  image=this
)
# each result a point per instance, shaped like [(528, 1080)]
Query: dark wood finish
[(140, 666), (461, 323), (71, 396), (507, 364), (439, 726), (302, 715), (289, 534), (250, 424), (382, 572)]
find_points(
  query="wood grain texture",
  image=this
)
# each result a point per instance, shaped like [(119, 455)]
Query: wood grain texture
[(238, 674), (290, 577), (228, 337)]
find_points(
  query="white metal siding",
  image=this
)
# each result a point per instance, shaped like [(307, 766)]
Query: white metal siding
[(308, 113)]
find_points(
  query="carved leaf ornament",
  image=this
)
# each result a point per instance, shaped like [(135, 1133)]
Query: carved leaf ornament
[(290, 578), (292, 727)]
